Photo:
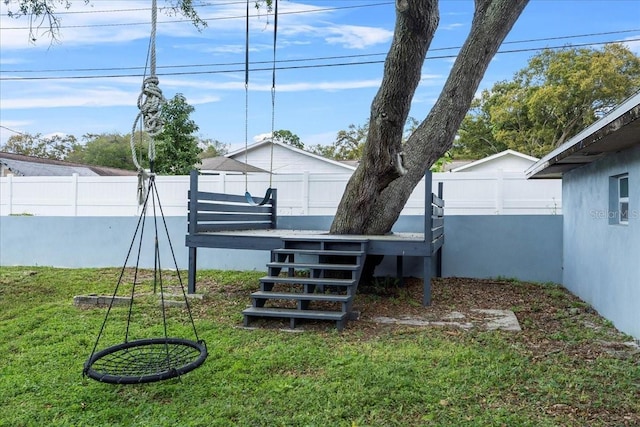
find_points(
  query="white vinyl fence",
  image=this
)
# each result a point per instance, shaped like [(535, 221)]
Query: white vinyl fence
[(465, 193)]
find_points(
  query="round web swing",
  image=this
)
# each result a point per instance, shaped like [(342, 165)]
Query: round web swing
[(249, 198), (146, 360)]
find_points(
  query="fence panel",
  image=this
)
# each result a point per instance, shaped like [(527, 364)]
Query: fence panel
[(465, 193)]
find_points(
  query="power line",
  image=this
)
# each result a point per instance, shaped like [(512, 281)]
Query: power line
[(293, 67), (325, 58), (11, 130)]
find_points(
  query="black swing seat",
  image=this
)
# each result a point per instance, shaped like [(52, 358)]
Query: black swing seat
[(145, 360), (264, 201)]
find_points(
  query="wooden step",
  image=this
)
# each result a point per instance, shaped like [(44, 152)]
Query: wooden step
[(287, 251), (301, 296), (308, 281), (293, 314), (312, 266)]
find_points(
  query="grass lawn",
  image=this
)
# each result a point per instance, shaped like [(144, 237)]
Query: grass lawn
[(572, 370)]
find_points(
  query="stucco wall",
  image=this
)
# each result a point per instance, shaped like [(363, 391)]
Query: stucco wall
[(601, 259), (520, 246)]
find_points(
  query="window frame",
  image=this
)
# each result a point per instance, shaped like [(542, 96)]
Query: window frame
[(622, 199)]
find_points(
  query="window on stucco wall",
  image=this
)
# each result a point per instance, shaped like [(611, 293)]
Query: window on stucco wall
[(619, 199)]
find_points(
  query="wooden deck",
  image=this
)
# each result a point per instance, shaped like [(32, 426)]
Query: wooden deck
[(217, 220), (399, 244)]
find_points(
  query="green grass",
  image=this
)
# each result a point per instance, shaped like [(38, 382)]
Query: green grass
[(395, 376)]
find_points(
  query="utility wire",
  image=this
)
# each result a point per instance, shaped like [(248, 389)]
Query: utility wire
[(319, 58), (297, 67), (12, 130)]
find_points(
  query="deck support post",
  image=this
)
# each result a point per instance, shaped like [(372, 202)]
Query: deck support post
[(191, 278), (426, 296)]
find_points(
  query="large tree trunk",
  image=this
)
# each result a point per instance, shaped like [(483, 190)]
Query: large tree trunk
[(384, 180)]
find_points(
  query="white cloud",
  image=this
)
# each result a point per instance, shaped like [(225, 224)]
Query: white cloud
[(73, 97), (356, 37), (452, 26), (115, 92)]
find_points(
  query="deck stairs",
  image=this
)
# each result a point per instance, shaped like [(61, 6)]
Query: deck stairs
[(312, 278)]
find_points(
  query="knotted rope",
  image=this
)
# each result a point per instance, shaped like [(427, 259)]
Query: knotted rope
[(150, 103)]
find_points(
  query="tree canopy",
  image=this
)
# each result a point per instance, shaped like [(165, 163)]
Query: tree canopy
[(177, 147), (212, 148), (55, 147), (556, 95), (287, 137), (109, 149)]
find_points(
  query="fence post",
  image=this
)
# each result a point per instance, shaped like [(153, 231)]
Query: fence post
[(74, 193), (223, 182), (499, 191), (305, 193), (9, 194)]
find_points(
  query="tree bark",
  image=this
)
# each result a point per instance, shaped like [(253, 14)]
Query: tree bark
[(382, 158), (381, 185)]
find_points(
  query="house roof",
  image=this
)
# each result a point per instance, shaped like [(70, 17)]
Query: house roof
[(226, 164), (502, 154), (618, 130), (23, 165), (257, 145)]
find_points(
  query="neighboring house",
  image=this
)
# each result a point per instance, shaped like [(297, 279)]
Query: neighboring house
[(600, 171), (507, 161), (223, 164), (20, 165), (287, 159)]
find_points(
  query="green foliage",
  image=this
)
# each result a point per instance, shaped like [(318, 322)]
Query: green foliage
[(350, 143), (287, 137), (439, 165), (212, 148), (177, 147), (347, 146), (55, 147), (558, 94), (110, 150)]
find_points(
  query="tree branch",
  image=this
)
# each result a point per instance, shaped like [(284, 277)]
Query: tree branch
[(493, 19)]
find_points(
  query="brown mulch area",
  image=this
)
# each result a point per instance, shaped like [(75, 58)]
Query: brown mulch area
[(543, 311)]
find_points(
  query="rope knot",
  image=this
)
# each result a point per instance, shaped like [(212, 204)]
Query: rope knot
[(150, 104)]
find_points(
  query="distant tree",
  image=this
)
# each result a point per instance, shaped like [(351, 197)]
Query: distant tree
[(55, 147), (348, 144), (287, 137), (177, 147), (212, 148), (558, 94), (110, 150)]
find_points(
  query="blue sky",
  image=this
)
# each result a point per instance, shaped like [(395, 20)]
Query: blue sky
[(109, 39)]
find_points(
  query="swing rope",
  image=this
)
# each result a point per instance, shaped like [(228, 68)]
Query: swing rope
[(150, 103), (148, 359), (269, 191)]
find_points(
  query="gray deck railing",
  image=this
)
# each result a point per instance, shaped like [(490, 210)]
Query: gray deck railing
[(433, 235), (209, 212)]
